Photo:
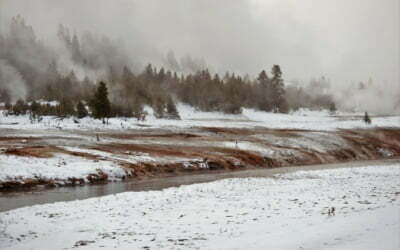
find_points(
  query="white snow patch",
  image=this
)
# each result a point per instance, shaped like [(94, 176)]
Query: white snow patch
[(285, 212), (306, 120), (132, 157), (60, 168)]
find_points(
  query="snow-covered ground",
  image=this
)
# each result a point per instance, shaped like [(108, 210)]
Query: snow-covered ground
[(302, 119), (58, 169), (288, 211), (79, 136)]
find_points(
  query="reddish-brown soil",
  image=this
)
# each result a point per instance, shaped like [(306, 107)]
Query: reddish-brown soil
[(204, 150), (33, 151)]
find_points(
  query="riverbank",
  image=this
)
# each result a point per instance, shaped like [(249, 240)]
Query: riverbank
[(74, 158), (56, 152), (21, 198), (244, 213)]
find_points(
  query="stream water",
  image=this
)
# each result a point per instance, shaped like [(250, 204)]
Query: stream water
[(16, 199)]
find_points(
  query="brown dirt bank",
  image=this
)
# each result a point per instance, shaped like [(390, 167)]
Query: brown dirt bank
[(208, 150)]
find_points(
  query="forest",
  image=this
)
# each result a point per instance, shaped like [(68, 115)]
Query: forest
[(99, 80)]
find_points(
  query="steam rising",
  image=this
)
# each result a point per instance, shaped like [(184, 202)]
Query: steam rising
[(347, 41), (12, 81)]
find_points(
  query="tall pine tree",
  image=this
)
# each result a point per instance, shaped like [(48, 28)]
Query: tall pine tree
[(81, 110), (279, 103), (100, 103)]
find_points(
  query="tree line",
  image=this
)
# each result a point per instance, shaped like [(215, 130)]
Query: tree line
[(128, 91), (124, 94)]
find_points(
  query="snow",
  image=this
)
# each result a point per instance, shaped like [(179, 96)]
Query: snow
[(43, 102), (250, 146), (302, 119), (284, 212), (319, 139), (58, 168), (131, 157), (316, 120)]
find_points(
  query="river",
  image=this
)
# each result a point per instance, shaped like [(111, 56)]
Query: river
[(17, 199)]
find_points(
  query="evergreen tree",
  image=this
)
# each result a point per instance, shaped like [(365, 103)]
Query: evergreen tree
[(20, 107), (171, 109), (8, 106), (276, 72), (81, 110), (65, 108), (332, 108), (263, 93), (35, 108), (279, 103), (263, 77), (149, 70), (75, 49), (100, 103), (127, 74), (159, 108), (161, 75), (367, 119)]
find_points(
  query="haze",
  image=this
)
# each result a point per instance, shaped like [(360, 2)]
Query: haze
[(345, 41)]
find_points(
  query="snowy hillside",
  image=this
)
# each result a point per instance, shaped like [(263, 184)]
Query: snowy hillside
[(70, 152), (288, 211)]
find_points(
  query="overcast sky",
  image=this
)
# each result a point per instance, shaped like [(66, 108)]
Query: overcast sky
[(345, 40)]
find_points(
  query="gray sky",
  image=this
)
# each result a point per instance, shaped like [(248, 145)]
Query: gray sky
[(345, 40)]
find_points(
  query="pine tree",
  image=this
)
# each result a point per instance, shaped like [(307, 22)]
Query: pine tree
[(279, 102), (81, 110), (171, 109), (20, 107), (159, 108), (100, 103), (8, 106), (65, 108), (262, 77), (34, 112), (75, 47), (263, 95), (332, 108), (367, 120), (276, 72), (149, 70), (35, 108)]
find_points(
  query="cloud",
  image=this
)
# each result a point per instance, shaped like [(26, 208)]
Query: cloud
[(344, 40), (11, 81)]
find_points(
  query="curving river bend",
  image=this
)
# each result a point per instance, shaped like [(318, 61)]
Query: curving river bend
[(17, 199)]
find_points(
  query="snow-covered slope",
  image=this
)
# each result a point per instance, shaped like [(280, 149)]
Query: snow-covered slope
[(288, 211), (59, 169)]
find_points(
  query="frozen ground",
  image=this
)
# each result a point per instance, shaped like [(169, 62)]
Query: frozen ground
[(59, 169), (56, 151), (284, 212), (302, 119)]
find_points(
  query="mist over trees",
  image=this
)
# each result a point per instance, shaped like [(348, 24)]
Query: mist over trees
[(35, 73), (31, 71), (314, 95)]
